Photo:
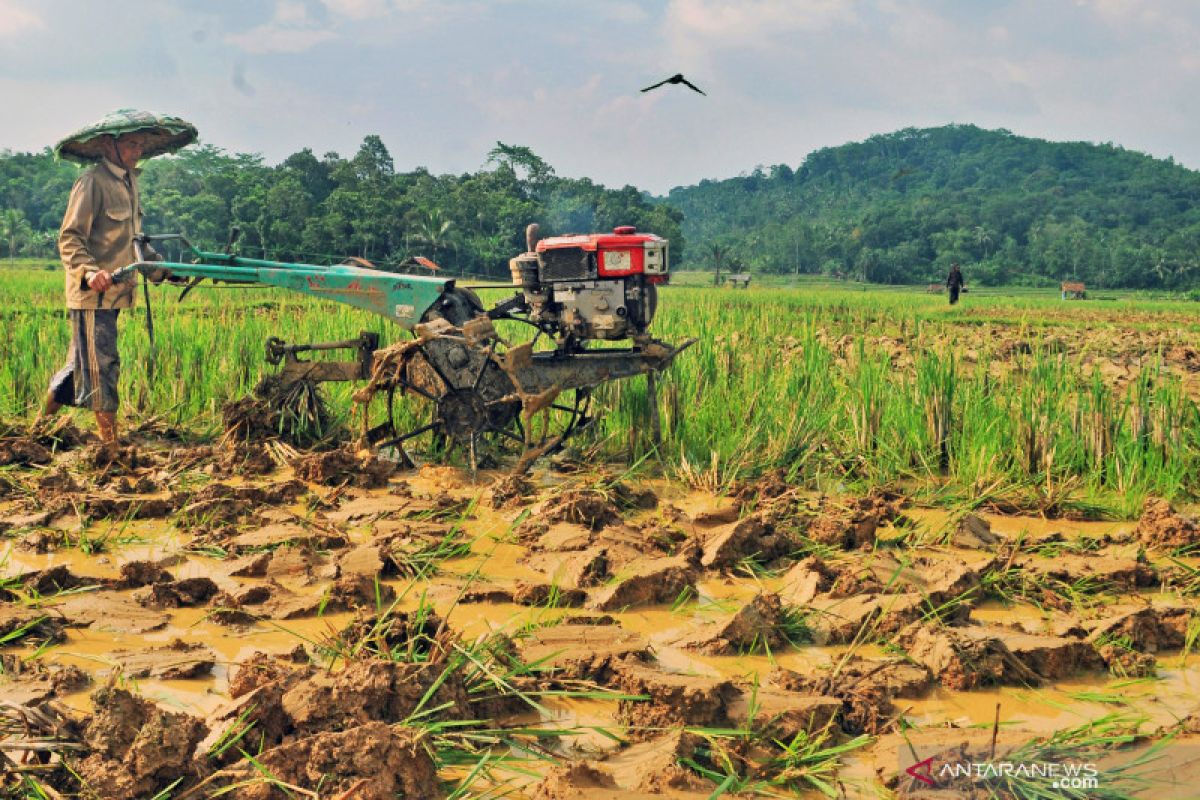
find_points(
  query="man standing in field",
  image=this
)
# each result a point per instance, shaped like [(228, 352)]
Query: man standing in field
[(96, 239), (955, 283)]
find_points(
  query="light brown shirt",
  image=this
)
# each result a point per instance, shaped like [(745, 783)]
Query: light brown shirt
[(103, 214)]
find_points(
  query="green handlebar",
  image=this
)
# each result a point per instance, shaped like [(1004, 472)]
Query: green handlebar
[(404, 299)]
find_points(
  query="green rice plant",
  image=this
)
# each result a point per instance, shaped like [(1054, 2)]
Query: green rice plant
[(840, 388), (806, 762), (937, 378), (1086, 742), (1013, 584)]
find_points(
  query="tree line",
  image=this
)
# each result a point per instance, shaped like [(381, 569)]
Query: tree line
[(323, 209), (895, 208)]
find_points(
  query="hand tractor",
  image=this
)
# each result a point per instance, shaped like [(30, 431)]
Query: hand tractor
[(474, 390)]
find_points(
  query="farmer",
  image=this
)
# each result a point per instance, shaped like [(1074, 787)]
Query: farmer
[(96, 239), (955, 283)]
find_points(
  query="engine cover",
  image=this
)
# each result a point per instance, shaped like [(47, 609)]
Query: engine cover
[(593, 309)]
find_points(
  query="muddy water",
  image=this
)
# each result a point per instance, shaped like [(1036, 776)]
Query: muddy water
[(496, 558)]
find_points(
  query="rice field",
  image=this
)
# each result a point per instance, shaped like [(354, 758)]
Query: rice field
[(877, 530), (1014, 401)]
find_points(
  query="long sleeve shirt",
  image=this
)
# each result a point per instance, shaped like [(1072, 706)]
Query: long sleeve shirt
[(103, 214)]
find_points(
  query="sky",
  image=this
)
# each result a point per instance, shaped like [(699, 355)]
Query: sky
[(441, 81)]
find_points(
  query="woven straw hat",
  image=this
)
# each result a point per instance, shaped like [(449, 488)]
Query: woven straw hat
[(162, 134)]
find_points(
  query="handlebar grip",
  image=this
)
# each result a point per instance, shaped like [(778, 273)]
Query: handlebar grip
[(124, 273)]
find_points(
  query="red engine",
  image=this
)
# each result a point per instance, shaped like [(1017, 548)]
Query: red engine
[(593, 286)]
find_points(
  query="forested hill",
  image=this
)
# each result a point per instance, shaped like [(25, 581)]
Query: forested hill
[(899, 208)]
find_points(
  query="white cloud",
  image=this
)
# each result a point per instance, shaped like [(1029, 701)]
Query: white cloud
[(734, 23), (624, 12), (359, 9), (289, 31), (16, 19)]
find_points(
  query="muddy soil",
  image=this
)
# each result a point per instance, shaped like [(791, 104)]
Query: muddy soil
[(372, 633)]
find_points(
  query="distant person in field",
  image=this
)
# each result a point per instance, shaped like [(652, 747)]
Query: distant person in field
[(96, 239), (955, 283)]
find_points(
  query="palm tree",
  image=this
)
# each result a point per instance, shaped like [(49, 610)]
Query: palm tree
[(13, 228), (983, 238), (434, 231), (718, 254)]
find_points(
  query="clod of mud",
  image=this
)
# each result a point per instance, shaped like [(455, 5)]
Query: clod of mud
[(840, 620), (1125, 663), (357, 510), (511, 490), (578, 780), (648, 581), (583, 652), (782, 715), (559, 536), (420, 635), (751, 538), (222, 503), (760, 491), (1104, 571), (101, 506), (582, 570), (656, 764), (1148, 629), (851, 523), (56, 483), (670, 537), (261, 669), (941, 579), (369, 560), (112, 612), (275, 535), (755, 627), (34, 519), (137, 749), (20, 626), (812, 576), (247, 459), (866, 689), (31, 682), (185, 593), (673, 700), (51, 581), (1162, 527), (179, 660), (547, 595), (369, 762), (372, 691), (253, 565), (973, 532), (23, 453), (965, 657), (587, 507), (345, 466), (58, 435), (893, 677), (115, 460), (136, 574), (267, 601), (354, 591)]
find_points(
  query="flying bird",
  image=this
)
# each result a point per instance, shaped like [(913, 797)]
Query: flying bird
[(676, 79)]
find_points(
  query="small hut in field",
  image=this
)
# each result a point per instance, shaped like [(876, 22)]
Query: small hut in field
[(1073, 291)]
